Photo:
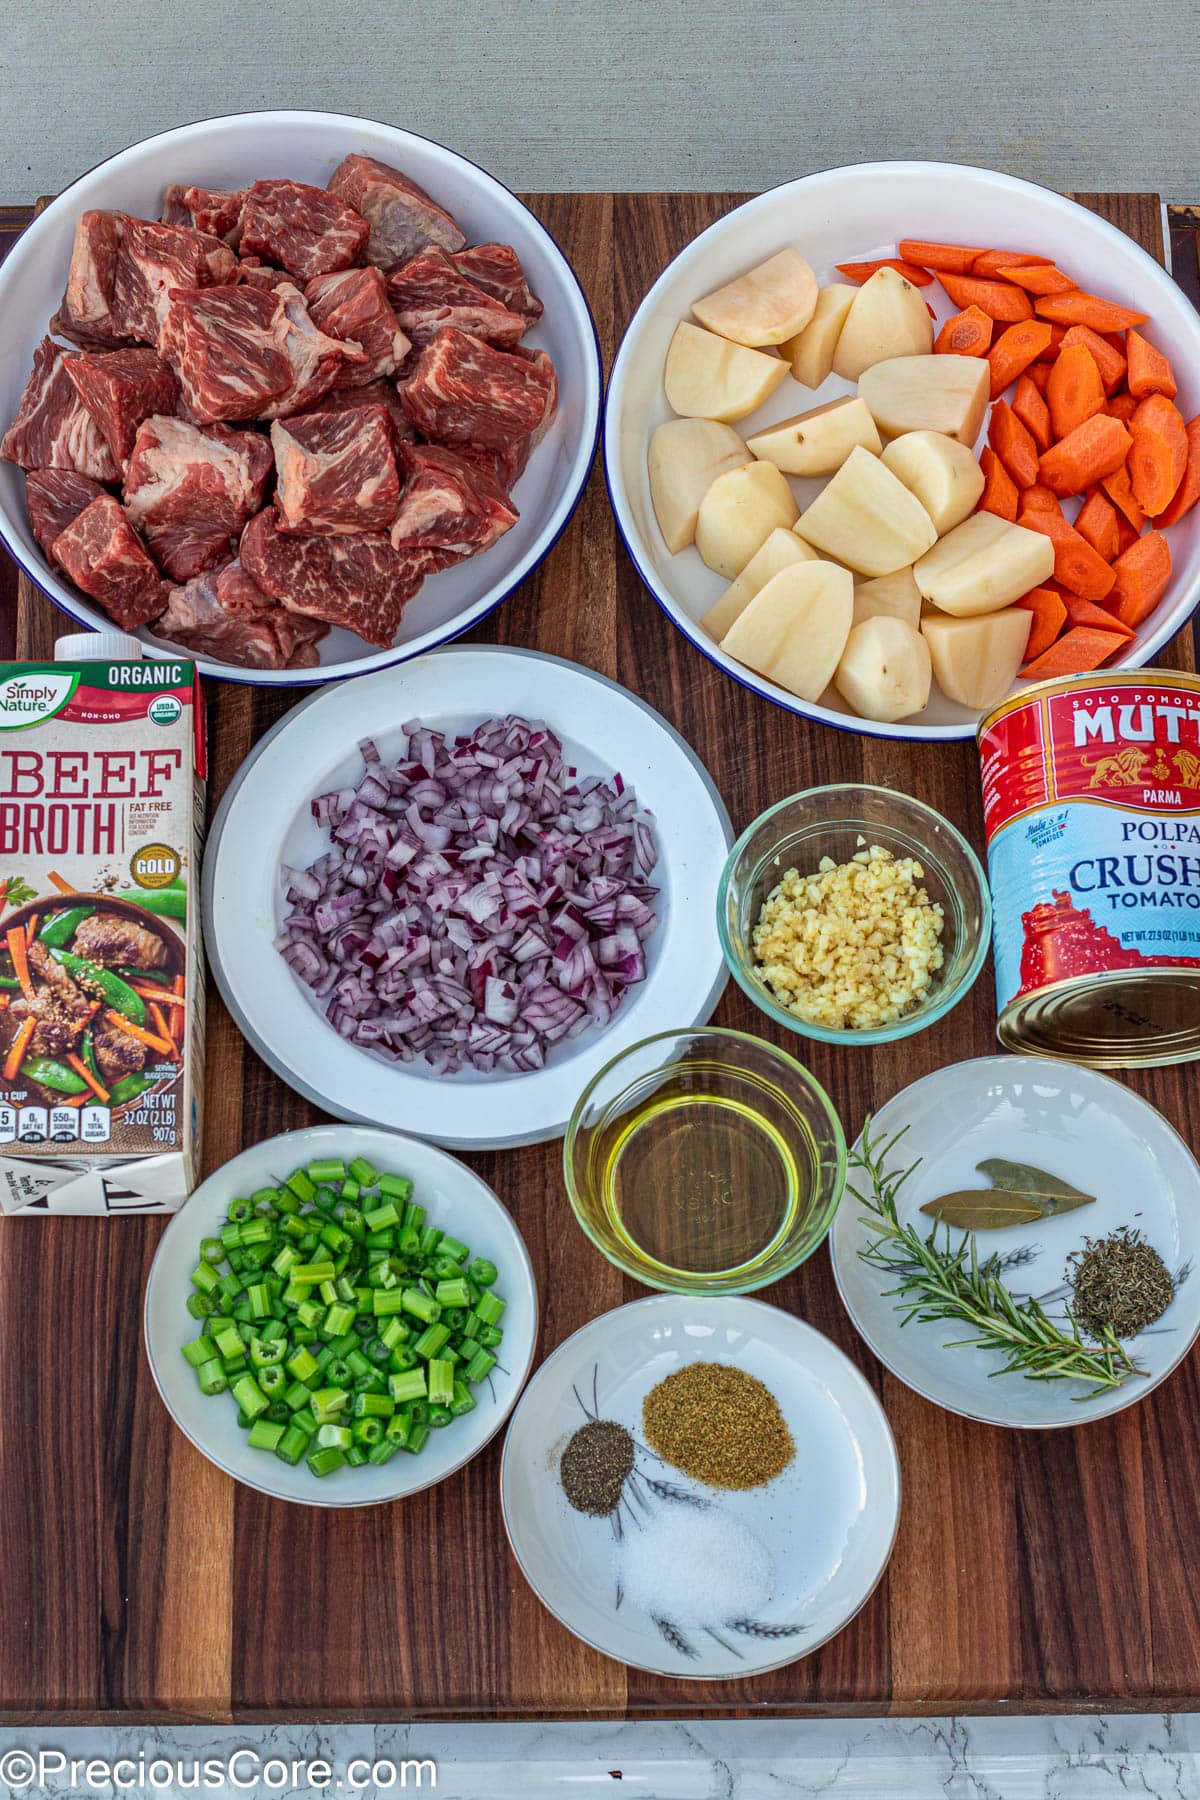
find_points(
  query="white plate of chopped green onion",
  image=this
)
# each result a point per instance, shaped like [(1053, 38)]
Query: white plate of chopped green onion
[(341, 1316)]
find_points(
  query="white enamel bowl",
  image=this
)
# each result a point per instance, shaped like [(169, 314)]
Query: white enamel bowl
[(230, 152), (850, 214)]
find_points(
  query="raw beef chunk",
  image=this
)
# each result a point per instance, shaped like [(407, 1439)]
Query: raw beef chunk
[(225, 614), (120, 388), (373, 393), (226, 346), (336, 472), (496, 268), (256, 273), (316, 360), (448, 503), (53, 429), (504, 466), (353, 305), (189, 490), (153, 259), (358, 581), (306, 230), (104, 556), (55, 498), (86, 313), (215, 210), (402, 217), (462, 391), (428, 292)]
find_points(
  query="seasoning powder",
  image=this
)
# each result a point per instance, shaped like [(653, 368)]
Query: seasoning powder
[(718, 1425), (1120, 1283), (595, 1466)]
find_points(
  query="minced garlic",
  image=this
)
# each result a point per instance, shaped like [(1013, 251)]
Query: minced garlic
[(854, 946)]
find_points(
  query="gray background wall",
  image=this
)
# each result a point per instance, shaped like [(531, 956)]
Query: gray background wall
[(560, 94)]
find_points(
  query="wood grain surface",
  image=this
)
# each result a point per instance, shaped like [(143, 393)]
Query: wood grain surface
[(1032, 1570)]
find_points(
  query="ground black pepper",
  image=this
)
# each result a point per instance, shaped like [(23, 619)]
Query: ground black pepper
[(595, 1466), (1120, 1283), (718, 1425)]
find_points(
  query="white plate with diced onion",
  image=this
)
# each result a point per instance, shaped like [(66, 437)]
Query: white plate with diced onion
[(472, 1015)]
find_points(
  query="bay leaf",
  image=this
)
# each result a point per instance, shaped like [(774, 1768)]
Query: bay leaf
[(1056, 1195), (984, 1209)]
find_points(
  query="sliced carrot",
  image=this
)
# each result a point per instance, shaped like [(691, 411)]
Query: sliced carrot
[(1149, 370), (72, 1100), (863, 271), (16, 1050), (1076, 564), (1014, 350), (1049, 616), (1119, 489), (1085, 456), (1086, 612), (1188, 491), (1097, 522), (1121, 406), (992, 262), (1057, 334), (1151, 466), (63, 886), (85, 1074), (1078, 650), (965, 334), (1109, 357), (1000, 494), (136, 1031), (17, 949), (1039, 278), (1075, 391), (1039, 499), (1157, 413), (1030, 407), (1142, 573), (1039, 374), (156, 1013), (998, 299), (1013, 444), (955, 259), (1126, 533), (1088, 309)]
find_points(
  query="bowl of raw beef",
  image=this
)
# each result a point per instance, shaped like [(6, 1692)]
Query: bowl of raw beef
[(298, 394)]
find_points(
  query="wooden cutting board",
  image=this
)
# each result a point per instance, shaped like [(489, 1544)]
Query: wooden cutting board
[(1032, 1570)]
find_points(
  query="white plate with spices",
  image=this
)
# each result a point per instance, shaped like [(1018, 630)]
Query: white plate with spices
[(265, 822), (1077, 1125), (786, 1564)]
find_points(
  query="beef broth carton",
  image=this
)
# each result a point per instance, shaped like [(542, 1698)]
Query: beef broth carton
[(101, 976)]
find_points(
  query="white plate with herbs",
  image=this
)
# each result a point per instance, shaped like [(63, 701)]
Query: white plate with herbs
[(1094, 1264), (653, 1563)]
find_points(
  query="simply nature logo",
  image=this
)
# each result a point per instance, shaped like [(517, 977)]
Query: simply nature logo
[(34, 696)]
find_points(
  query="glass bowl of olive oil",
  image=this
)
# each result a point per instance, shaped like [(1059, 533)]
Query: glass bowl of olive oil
[(705, 1162)]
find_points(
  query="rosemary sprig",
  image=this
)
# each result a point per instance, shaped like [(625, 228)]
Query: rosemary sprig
[(935, 1283)]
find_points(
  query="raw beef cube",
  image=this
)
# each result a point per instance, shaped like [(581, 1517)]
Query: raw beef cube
[(120, 388), (504, 466), (188, 490), (316, 360), (448, 503), (53, 428), (152, 260), (336, 472), (86, 313), (55, 498), (307, 230), (462, 391), (428, 292), (496, 268), (358, 581), (224, 613), (353, 305), (256, 273), (105, 557), (215, 210), (226, 346), (402, 217), (372, 393)]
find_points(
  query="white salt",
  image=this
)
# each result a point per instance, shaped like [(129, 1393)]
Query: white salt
[(693, 1566)]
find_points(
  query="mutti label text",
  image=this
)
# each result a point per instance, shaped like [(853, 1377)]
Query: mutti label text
[(142, 774), (1142, 722)]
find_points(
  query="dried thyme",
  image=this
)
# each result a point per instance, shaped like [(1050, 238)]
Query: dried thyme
[(1120, 1283)]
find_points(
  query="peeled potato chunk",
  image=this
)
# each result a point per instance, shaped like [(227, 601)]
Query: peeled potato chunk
[(685, 458), (975, 661), (795, 628), (887, 318), (738, 514), (928, 393), (868, 519), (888, 597), (940, 471), (983, 564), (885, 671), (767, 305), (780, 551), (811, 352), (707, 377), (818, 442)]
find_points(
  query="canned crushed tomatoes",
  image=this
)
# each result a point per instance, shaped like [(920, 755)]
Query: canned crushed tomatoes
[(1091, 801)]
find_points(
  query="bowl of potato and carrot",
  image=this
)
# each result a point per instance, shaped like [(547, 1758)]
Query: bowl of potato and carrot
[(91, 999)]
